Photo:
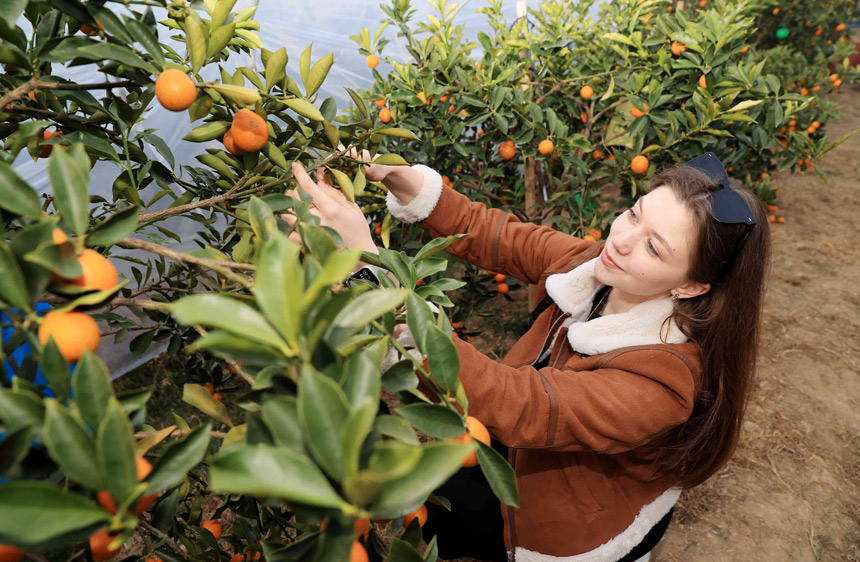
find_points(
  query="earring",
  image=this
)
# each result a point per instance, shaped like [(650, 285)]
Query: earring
[(676, 296)]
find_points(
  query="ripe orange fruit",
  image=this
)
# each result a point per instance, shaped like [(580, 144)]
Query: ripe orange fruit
[(46, 135), (775, 11), (237, 558), (703, 3), (99, 273), (508, 150), (372, 61), (744, 50), (546, 146), (381, 101), (677, 48), (249, 130), (230, 144), (358, 553), (595, 233), (703, 82), (771, 218), (840, 27), (834, 77), (361, 527), (100, 545), (106, 501), (804, 92), (175, 90), (478, 431), (500, 277), (213, 527), (420, 513), (32, 96), (772, 208), (480, 133), (636, 112), (597, 155), (154, 558), (586, 92), (385, 115), (218, 396), (639, 165), (457, 325), (837, 83), (503, 288), (810, 130), (10, 554), (780, 220), (73, 332)]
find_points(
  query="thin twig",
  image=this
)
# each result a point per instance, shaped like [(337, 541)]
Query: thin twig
[(773, 467), (170, 542), (177, 433), (234, 364), (19, 92)]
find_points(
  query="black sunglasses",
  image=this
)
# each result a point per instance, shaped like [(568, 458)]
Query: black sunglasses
[(727, 206)]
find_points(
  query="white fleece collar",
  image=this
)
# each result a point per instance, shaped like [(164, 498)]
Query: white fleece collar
[(573, 292)]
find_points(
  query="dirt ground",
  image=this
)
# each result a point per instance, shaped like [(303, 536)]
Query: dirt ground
[(792, 490)]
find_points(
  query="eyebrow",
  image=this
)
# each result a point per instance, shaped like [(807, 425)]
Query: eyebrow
[(656, 235)]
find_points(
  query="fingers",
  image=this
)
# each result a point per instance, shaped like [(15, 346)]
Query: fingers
[(321, 199)]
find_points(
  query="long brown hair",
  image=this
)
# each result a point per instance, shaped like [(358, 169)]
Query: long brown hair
[(725, 322)]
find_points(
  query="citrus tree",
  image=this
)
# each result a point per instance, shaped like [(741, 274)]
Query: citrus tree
[(562, 118), (308, 455)]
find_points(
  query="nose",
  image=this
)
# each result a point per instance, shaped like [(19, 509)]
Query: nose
[(623, 241)]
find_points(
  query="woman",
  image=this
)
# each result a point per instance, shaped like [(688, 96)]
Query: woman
[(632, 382)]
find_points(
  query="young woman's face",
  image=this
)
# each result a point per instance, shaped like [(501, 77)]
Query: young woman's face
[(650, 245)]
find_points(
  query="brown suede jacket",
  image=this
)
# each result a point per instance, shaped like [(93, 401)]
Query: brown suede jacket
[(581, 430)]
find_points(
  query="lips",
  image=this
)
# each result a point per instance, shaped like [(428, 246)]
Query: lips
[(604, 256)]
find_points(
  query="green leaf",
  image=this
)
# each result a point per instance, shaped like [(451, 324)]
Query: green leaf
[(304, 108), (144, 35), (355, 430), (13, 288), (359, 103), (115, 451), (744, 105), (439, 462), (32, 513), (278, 285), (398, 428), (14, 446), (92, 388), (70, 181), (55, 369), (402, 551), (274, 155), (369, 306), (20, 407), (261, 470), (114, 52), (436, 246), (400, 376), (221, 12), (305, 64), (226, 313), (208, 131), (240, 95), (345, 184), (336, 269), (16, 195), (395, 132), (323, 410), (317, 74), (444, 361), (418, 315), (262, 220), (434, 420), (390, 460), (362, 378), (10, 10), (500, 475), (219, 39), (200, 398), (71, 447), (390, 159), (276, 68), (195, 41), (119, 225), (178, 458), (229, 345), (281, 415)]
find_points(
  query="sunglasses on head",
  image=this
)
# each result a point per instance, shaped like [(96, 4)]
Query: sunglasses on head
[(727, 205)]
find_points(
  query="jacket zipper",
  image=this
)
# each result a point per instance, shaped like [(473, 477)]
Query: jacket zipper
[(551, 331)]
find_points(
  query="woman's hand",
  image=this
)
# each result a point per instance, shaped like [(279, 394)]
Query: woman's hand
[(334, 210), (403, 181)]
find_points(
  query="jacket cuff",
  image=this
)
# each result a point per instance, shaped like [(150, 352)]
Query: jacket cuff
[(423, 204)]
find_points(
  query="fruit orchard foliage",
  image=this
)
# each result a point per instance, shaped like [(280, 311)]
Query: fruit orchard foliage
[(308, 449), (606, 91)]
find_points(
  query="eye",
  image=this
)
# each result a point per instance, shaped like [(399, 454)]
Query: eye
[(632, 213), (651, 247)]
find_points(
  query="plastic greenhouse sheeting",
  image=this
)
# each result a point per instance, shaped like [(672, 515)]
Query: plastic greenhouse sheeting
[(293, 24)]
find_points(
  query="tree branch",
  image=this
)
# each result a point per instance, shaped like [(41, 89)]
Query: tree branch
[(19, 92)]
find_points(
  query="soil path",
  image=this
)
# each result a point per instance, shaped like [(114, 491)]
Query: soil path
[(792, 490)]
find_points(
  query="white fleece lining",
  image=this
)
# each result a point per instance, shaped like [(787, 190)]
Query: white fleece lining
[(423, 204), (574, 291), (619, 545)]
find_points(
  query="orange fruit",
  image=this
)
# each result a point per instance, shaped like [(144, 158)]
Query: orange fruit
[(230, 144), (639, 165), (385, 115), (73, 332), (703, 3), (100, 545), (583, 117), (677, 48), (209, 388), (804, 92), (154, 558), (372, 61), (771, 218), (10, 554), (810, 130), (780, 220), (590, 238), (46, 135), (772, 208), (500, 277), (595, 233), (763, 176), (59, 236), (381, 101), (597, 155), (503, 288), (840, 27), (611, 157), (99, 273), (361, 527), (775, 11), (546, 146), (420, 514), (106, 501), (586, 92), (237, 558), (32, 96), (218, 396), (358, 553), (744, 50), (703, 82), (457, 325), (144, 503), (250, 131), (478, 65), (480, 133), (834, 77), (451, 108), (143, 468), (508, 150), (478, 431), (639, 112), (175, 90), (213, 527), (837, 83)]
